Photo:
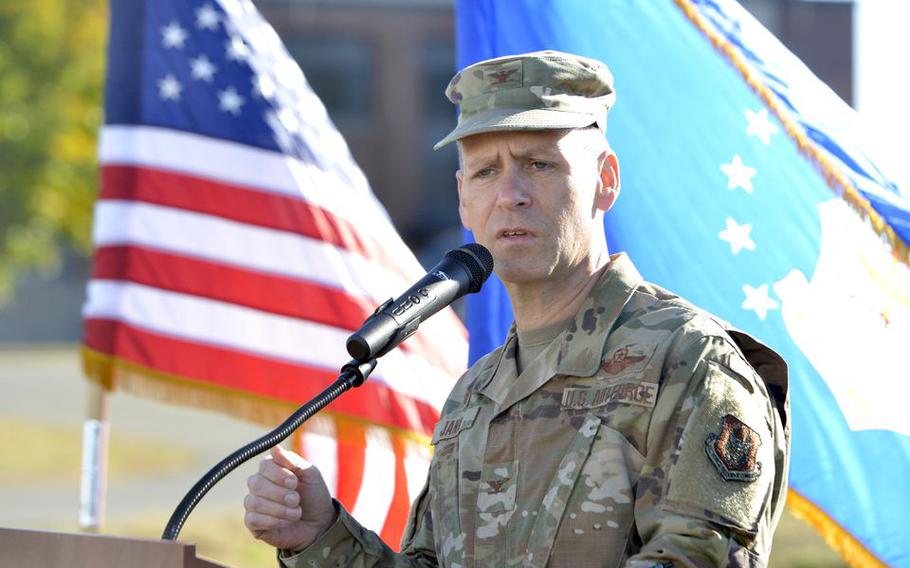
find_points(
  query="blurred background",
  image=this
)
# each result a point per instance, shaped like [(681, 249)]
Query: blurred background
[(380, 67)]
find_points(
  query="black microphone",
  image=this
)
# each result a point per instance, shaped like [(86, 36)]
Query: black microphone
[(461, 271)]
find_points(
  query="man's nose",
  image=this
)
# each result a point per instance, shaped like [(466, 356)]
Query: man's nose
[(514, 190)]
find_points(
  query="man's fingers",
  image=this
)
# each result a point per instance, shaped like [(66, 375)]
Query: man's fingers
[(257, 522), (263, 487), (269, 508), (277, 474), (274, 507), (307, 474)]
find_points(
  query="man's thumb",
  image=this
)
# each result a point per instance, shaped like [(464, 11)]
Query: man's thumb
[(290, 460)]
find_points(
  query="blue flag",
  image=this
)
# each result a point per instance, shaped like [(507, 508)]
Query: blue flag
[(745, 191)]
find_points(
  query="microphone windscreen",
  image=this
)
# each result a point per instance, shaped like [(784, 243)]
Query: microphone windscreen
[(477, 259)]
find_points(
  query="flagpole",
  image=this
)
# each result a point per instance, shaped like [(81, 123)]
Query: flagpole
[(95, 437)]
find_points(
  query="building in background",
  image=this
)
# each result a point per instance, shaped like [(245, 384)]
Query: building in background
[(380, 67), (820, 33)]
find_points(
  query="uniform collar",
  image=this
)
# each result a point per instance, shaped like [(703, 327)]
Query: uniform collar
[(577, 351)]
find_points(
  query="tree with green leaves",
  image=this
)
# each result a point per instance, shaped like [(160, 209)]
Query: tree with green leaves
[(51, 77)]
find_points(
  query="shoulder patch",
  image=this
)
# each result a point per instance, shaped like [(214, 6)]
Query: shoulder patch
[(451, 425), (734, 450), (715, 473)]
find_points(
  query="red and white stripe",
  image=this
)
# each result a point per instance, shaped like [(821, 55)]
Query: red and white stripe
[(385, 471), (247, 269)]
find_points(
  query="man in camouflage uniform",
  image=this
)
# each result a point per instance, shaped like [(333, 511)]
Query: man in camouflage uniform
[(617, 425)]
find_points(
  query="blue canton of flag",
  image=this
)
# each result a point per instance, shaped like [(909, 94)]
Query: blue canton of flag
[(744, 192), (203, 77)]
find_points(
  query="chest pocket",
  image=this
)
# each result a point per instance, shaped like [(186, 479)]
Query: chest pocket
[(623, 392), (444, 505), (556, 499), (589, 504)]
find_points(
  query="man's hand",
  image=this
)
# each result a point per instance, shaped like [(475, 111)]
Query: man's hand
[(288, 505)]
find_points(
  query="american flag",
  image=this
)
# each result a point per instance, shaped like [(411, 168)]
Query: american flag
[(238, 245)]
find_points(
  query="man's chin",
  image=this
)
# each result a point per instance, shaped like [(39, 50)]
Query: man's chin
[(519, 275)]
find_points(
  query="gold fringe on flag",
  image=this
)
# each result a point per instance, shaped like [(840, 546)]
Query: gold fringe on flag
[(844, 543), (115, 373), (833, 176)]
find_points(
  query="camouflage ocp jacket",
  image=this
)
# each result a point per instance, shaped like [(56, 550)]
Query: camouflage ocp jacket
[(647, 433)]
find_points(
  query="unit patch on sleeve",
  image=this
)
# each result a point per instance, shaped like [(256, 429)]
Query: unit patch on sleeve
[(733, 451)]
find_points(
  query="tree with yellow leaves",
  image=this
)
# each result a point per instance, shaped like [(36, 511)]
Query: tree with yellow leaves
[(51, 76)]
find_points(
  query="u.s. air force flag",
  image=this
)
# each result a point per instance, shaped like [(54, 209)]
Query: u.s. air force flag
[(745, 191)]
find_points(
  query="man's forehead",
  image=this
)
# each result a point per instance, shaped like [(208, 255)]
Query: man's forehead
[(480, 145)]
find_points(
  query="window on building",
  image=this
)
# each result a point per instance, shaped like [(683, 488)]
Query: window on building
[(340, 70)]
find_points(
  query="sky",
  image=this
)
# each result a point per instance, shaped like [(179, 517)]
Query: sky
[(881, 84)]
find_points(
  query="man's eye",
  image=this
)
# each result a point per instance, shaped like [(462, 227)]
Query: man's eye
[(538, 165), (485, 172)]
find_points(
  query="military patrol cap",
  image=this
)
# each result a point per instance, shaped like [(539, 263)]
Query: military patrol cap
[(532, 91)]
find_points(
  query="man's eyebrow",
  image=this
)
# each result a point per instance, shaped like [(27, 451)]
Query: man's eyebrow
[(541, 150), (547, 150), (478, 160)]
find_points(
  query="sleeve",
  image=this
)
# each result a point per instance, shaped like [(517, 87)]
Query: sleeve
[(348, 543), (706, 495)]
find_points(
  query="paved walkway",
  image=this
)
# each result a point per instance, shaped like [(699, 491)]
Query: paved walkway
[(45, 385)]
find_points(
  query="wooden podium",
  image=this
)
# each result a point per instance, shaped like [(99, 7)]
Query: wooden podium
[(44, 549)]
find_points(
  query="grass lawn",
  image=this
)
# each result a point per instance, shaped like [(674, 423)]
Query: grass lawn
[(797, 545), (31, 453)]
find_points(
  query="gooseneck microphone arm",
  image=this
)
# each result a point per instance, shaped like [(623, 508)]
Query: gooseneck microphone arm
[(461, 271), (352, 375)]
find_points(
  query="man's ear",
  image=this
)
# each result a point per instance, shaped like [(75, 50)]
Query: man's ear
[(461, 209), (608, 188)]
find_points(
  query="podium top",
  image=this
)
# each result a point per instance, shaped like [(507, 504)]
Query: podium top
[(25, 548)]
